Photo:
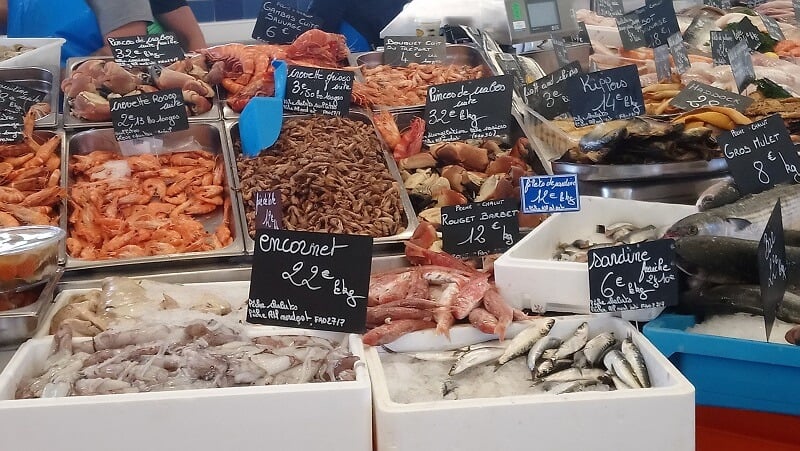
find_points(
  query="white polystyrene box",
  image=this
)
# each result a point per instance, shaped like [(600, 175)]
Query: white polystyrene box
[(528, 277), (660, 418), (295, 417), (46, 55)]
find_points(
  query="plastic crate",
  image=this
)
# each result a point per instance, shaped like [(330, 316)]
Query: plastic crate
[(731, 372), (744, 430)]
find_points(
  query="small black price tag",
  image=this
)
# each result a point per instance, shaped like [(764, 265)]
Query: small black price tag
[(404, 50), (581, 37), (721, 43), (549, 193), (632, 277), (609, 8), (663, 65), (630, 31), (314, 90), (481, 228), (560, 49), (16, 98), (760, 155), (605, 95), (146, 50), (146, 115), (745, 30), (721, 4), (548, 95), (772, 267), (280, 24), (11, 127), (659, 22), (310, 280), (742, 65), (679, 54), (269, 214), (697, 95), (468, 110), (773, 29)]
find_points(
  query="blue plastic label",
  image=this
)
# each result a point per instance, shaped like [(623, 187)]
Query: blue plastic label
[(549, 193)]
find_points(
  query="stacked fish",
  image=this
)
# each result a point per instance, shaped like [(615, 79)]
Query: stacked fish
[(615, 234)]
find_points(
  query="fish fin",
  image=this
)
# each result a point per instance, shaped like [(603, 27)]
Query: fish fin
[(496, 366), (387, 349), (739, 223)]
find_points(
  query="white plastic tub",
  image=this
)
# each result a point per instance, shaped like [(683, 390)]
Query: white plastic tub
[(47, 54), (528, 277), (660, 418)]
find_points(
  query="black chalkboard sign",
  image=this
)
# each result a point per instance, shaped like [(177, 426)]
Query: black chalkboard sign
[(760, 155), (772, 266), (697, 95), (659, 22), (663, 64), (581, 37), (468, 110), (773, 29), (796, 7), (633, 277), (745, 30), (280, 24), (742, 65), (605, 95), (269, 214), (679, 54), (630, 31), (146, 115), (11, 127), (609, 8), (16, 98), (313, 90), (548, 95), (310, 280), (479, 229), (404, 50), (560, 49), (721, 4), (146, 50), (721, 43)]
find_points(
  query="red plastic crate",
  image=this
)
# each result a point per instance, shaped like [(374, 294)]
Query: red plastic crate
[(719, 428)]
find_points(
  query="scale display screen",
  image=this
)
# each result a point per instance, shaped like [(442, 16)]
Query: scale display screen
[(543, 15)]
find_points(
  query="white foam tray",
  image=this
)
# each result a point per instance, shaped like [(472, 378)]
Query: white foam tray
[(327, 415), (657, 419), (46, 55), (527, 277)]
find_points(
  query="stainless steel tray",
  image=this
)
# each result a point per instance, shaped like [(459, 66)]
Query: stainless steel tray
[(547, 60), (40, 80), (673, 191), (622, 172), (20, 324), (210, 137), (456, 54), (232, 128), (72, 122)]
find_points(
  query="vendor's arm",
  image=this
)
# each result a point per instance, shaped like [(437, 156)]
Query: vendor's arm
[(182, 22), (118, 18), (331, 12)]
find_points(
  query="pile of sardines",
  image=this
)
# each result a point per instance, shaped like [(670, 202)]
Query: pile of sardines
[(615, 234), (553, 365)]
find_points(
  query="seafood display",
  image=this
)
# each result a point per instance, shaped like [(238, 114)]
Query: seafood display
[(127, 302), (332, 175), (30, 179), (581, 360), (91, 83), (28, 254), (613, 235), (407, 86), (246, 70), (200, 355), (146, 205), (454, 173), (777, 9), (10, 51), (658, 96)]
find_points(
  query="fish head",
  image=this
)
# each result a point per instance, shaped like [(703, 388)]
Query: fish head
[(706, 224)]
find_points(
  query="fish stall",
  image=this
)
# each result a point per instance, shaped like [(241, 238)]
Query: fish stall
[(587, 227)]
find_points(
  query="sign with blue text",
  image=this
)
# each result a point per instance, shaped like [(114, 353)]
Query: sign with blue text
[(549, 193)]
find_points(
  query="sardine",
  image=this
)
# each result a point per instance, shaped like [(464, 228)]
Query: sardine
[(636, 360), (618, 384), (575, 342), (745, 218), (721, 193), (573, 374), (615, 361), (524, 340), (546, 367), (549, 354), (536, 351), (474, 358), (738, 299), (597, 347), (639, 235), (430, 356), (579, 360)]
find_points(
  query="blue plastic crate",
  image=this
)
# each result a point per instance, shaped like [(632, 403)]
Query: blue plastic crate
[(730, 372)]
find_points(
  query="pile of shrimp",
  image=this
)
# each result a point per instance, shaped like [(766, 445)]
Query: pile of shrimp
[(30, 188), (407, 86), (145, 205)]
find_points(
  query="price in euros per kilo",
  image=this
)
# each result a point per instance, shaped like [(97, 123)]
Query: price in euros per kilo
[(273, 31)]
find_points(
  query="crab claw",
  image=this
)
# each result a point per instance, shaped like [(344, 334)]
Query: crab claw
[(196, 103), (119, 80), (77, 83), (91, 106)]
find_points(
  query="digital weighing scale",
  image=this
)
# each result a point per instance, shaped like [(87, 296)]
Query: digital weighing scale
[(537, 20)]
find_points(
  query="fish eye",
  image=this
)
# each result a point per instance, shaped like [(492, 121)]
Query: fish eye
[(693, 230)]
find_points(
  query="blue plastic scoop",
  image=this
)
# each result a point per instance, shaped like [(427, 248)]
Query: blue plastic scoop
[(261, 120)]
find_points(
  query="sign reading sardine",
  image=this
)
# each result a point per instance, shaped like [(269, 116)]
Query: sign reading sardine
[(281, 24), (310, 280), (472, 109), (146, 50), (606, 95), (146, 115)]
